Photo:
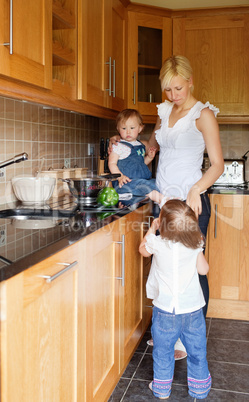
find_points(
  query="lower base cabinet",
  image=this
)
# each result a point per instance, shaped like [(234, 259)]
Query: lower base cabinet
[(39, 331), (70, 324), (115, 302), (228, 256)]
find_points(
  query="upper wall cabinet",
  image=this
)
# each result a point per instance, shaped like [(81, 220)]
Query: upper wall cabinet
[(25, 38), (101, 50), (149, 44), (217, 47), (64, 49)]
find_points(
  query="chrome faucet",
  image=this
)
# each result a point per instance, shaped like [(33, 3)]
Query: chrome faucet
[(18, 158)]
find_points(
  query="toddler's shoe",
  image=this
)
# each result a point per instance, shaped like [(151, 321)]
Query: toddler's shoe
[(160, 397)]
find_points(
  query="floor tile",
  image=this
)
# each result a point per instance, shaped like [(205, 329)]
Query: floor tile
[(227, 351), (228, 376), (132, 366), (119, 390), (229, 329)]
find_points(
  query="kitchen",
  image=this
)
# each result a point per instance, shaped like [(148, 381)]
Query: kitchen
[(47, 119)]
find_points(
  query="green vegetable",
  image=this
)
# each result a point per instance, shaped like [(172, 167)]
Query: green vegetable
[(108, 197)]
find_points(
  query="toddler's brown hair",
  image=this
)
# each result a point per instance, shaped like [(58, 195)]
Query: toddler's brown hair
[(178, 223), (125, 114)]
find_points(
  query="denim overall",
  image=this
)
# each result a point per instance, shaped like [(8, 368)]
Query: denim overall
[(134, 167)]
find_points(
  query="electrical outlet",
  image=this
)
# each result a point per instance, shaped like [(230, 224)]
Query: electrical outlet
[(91, 149), (2, 174), (2, 236), (67, 163)]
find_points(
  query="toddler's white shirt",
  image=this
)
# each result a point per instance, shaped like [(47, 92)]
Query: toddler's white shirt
[(173, 282)]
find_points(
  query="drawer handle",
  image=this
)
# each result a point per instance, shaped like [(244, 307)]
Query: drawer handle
[(122, 242), (10, 43), (109, 63), (50, 278), (114, 79)]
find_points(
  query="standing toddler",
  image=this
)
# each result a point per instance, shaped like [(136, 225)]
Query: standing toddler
[(174, 286)]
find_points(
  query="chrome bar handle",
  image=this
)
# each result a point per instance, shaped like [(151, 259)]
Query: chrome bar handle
[(109, 63), (50, 278), (114, 79), (215, 221), (122, 277), (134, 88), (10, 43)]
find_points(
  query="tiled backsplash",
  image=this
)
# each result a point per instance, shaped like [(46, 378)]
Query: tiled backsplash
[(49, 133), (55, 134)]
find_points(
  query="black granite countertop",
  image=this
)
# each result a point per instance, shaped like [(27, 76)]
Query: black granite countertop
[(25, 242)]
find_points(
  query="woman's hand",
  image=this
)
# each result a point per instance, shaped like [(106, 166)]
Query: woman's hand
[(113, 140), (194, 200), (123, 180)]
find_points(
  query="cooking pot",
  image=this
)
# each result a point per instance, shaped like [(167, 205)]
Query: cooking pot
[(87, 188)]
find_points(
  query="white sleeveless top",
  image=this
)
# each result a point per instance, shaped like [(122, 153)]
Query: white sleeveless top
[(181, 150)]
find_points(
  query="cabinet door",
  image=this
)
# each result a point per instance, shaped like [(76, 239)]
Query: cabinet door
[(117, 77), (131, 302), (149, 44), (28, 57), (92, 71), (102, 320), (224, 246), (216, 47), (101, 41), (244, 252), (39, 332)]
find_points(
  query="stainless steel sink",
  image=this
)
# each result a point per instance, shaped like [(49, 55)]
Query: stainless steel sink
[(34, 214)]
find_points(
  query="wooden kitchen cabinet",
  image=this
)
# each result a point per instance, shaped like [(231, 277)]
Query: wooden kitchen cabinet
[(228, 255), (64, 45), (28, 56), (39, 321), (102, 287), (132, 293), (215, 45), (149, 44), (70, 339), (101, 52), (115, 305)]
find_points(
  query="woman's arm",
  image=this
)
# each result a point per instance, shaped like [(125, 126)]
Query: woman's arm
[(202, 264), (208, 125), (152, 142)]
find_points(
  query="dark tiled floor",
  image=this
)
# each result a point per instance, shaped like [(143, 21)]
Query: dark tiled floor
[(228, 359)]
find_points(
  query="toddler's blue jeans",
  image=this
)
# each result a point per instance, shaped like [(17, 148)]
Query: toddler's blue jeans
[(191, 329)]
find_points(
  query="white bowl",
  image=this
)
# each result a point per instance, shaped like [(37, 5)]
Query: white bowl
[(33, 190)]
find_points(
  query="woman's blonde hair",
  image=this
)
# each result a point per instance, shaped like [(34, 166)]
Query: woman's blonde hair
[(173, 66), (178, 223)]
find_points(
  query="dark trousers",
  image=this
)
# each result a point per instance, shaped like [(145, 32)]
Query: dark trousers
[(203, 223)]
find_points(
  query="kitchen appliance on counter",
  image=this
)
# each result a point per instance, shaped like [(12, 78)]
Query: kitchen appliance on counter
[(233, 175)]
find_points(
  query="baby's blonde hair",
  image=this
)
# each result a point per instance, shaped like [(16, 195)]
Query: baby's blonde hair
[(173, 66)]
